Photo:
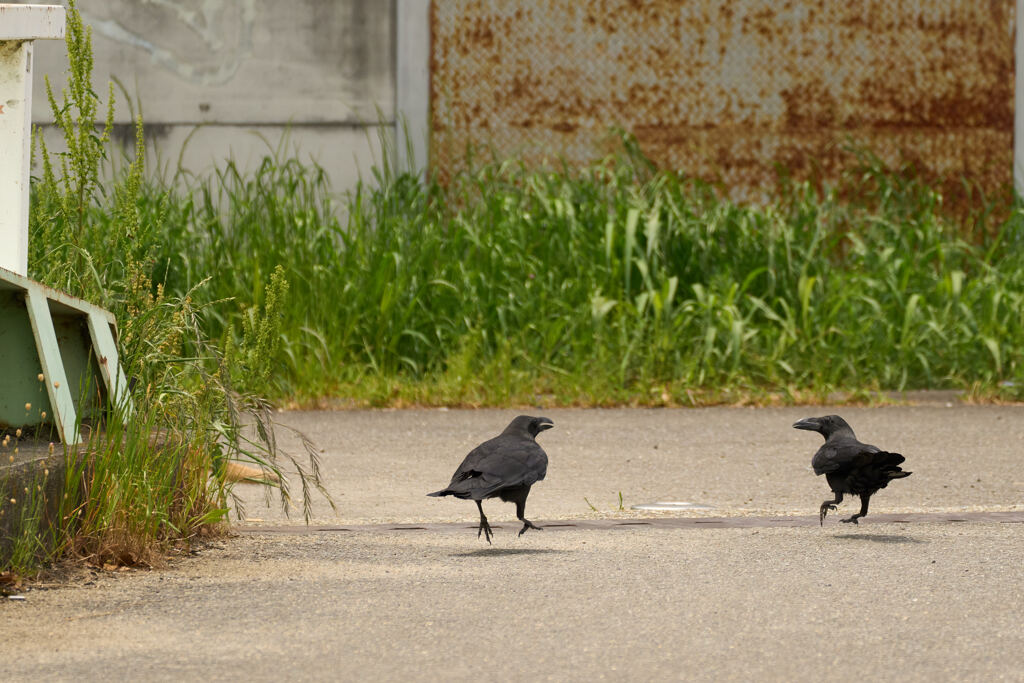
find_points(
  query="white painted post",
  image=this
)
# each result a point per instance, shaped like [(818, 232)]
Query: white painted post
[(19, 26), (412, 83), (1018, 100)]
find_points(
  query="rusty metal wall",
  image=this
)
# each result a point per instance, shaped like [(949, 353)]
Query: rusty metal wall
[(726, 90)]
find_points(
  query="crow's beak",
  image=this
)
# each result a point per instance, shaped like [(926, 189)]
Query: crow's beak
[(544, 423), (809, 423)]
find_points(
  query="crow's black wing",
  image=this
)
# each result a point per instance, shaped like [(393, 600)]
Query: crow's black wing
[(840, 453), (505, 461)]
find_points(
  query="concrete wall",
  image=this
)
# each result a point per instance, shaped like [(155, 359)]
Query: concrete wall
[(232, 76)]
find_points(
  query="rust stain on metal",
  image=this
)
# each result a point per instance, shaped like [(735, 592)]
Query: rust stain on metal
[(727, 91)]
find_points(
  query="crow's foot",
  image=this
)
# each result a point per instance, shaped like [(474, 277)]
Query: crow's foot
[(825, 507), (527, 524), (485, 528), (851, 519)]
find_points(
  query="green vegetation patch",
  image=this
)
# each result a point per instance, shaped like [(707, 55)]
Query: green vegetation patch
[(609, 284)]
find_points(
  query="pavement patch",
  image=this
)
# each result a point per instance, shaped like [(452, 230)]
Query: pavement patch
[(1007, 517), (670, 506)]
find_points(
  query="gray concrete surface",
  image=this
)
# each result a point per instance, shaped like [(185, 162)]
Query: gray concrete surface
[(885, 603), (380, 464), (320, 74), (882, 601)]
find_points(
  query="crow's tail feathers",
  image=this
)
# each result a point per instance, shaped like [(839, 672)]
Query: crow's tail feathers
[(874, 471), (465, 493), (889, 464), (472, 485)]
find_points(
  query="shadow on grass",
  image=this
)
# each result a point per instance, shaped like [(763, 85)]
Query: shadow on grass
[(879, 538), (498, 552)]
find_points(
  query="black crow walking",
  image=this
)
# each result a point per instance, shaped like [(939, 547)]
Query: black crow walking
[(850, 466), (504, 467)]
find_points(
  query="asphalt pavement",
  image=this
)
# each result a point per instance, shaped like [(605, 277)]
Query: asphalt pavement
[(896, 599), (379, 465)]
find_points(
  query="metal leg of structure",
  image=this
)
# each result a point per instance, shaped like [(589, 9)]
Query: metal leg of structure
[(110, 366), (53, 368)]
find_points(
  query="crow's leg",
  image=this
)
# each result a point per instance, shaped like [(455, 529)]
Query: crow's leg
[(527, 524), (863, 509), (829, 505), (485, 528)]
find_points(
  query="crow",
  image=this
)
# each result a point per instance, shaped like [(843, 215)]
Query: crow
[(504, 467), (850, 466)]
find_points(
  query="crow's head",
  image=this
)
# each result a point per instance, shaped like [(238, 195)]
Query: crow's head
[(531, 425), (826, 426)]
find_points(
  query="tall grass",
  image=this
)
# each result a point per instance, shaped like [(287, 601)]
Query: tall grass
[(151, 474), (610, 283)]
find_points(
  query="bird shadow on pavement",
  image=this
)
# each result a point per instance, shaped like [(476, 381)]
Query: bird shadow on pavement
[(879, 538), (496, 552)]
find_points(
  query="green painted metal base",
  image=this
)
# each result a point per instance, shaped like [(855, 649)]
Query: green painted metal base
[(58, 359)]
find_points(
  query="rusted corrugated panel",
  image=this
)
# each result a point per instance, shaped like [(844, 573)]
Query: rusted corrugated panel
[(728, 90)]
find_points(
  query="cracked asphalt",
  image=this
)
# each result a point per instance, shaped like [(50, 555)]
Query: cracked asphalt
[(886, 600)]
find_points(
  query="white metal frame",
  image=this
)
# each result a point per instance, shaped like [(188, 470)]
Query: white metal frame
[(20, 25)]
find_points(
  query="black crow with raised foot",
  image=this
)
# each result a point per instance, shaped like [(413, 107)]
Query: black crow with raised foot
[(504, 467), (850, 466)]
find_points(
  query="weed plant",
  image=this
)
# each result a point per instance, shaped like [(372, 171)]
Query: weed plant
[(151, 473)]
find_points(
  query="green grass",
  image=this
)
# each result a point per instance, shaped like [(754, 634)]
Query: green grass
[(607, 284)]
